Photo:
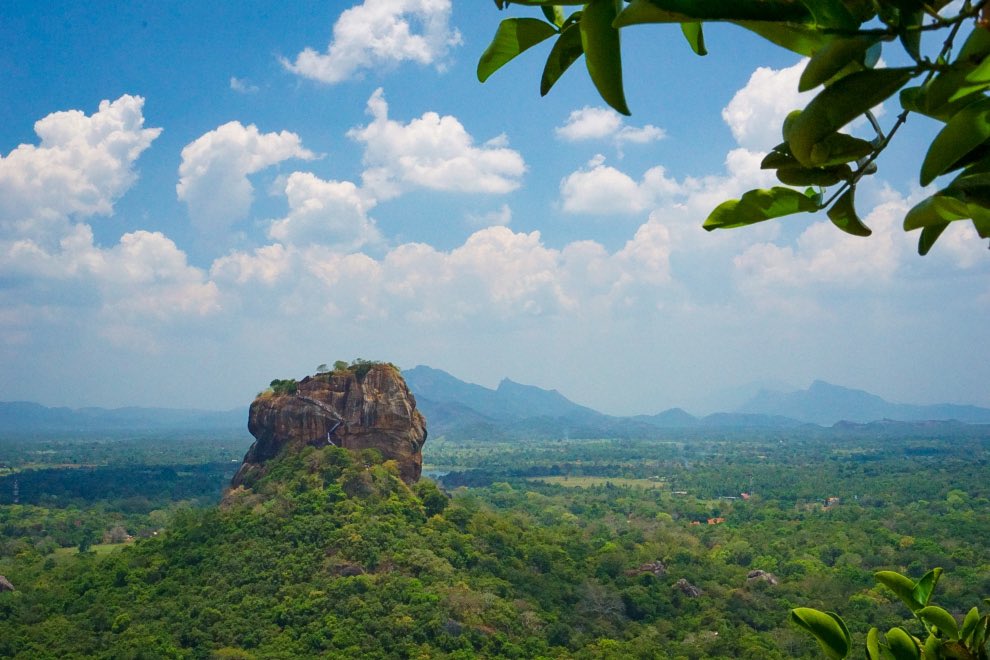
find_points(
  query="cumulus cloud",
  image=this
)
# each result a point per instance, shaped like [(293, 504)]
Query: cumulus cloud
[(55, 272), (604, 190), (144, 275), (597, 123), (325, 212), (757, 111), (823, 255), (501, 216), (496, 275), (434, 152), (213, 173), (381, 33), (82, 165)]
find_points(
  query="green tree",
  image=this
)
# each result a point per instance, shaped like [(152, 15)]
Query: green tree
[(844, 40)]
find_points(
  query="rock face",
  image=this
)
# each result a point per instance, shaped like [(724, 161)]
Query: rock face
[(352, 410), (5, 584), (759, 575), (687, 588)]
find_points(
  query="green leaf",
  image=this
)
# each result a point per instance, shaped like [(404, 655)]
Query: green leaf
[(566, 50), (600, 41), (903, 587), (695, 37), (839, 148), (926, 585), (780, 156), (969, 625), (801, 39), (824, 627), (677, 11), (514, 36), (554, 14), (831, 14), (917, 99), (902, 645), (759, 205), (840, 103), (873, 645), (911, 39), (967, 130), (640, 12), (796, 175), (843, 215), (928, 237), (833, 58), (934, 615), (935, 210), (932, 647)]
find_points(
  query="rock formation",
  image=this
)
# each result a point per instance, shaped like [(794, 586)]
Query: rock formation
[(356, 409), (759, 575), (687, 588), (5, 584)]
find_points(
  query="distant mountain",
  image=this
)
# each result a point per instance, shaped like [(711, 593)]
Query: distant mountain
[(458, 409), (826, 404), (513, 410), (22, 416), (511, 401)]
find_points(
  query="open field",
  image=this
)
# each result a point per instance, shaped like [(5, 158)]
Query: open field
[(591, 482)]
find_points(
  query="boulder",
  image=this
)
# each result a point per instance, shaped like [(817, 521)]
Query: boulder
[(687, 588), (760, 575), (368, 408)]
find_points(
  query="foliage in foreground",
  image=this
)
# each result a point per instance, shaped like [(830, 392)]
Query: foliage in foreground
[(945, 638), (844, 40)]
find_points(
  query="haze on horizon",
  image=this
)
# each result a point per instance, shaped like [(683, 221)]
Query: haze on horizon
[(194, 202)]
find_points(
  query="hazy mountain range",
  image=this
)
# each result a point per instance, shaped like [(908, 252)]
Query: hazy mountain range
[(455, 408)]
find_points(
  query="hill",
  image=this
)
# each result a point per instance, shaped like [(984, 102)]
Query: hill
[(826, 404)]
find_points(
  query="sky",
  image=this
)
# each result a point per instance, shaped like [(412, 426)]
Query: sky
[(196, 198)]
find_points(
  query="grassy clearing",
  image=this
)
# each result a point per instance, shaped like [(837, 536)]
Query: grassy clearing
[(590, 482)]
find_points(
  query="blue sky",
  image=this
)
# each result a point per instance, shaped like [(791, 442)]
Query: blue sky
[(196, 198)]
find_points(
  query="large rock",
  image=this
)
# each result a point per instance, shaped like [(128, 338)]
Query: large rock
[(369, 408)]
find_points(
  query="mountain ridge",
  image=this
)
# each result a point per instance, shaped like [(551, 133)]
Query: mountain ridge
[(459, 409)]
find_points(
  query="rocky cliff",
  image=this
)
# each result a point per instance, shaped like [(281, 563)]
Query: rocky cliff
[(351, 408)]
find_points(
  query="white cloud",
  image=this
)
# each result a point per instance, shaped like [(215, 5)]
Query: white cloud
[(756, 113), (496, 276), (502, 216), (325, 212), (213, 173), (81, 167), (823, 255), (960, 243), (599, 123), (604, 190), (144, 275), (431, 152), (242, 86), (381, 33)]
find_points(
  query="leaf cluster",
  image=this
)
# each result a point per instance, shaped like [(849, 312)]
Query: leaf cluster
[(843, 40), (945, 638)]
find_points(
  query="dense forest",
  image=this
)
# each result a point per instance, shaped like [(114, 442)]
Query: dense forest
[(696, 546)]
